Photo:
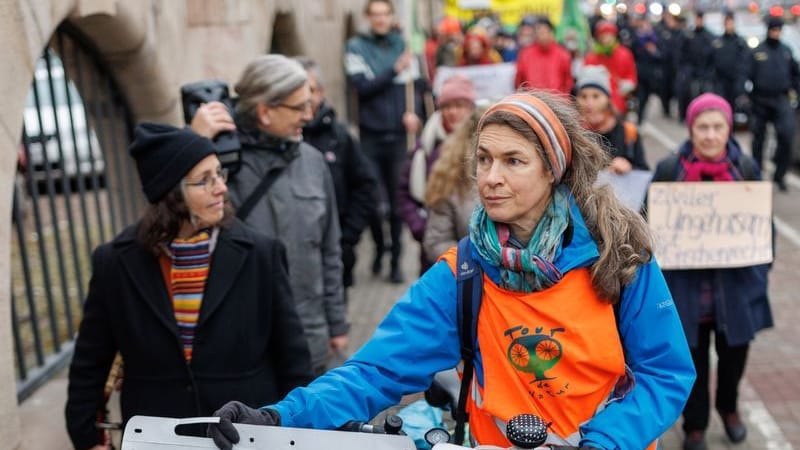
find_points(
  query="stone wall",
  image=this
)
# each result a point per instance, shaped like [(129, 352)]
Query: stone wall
[(152, 47)]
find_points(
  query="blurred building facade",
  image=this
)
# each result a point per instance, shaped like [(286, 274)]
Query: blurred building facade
[(148, 48)]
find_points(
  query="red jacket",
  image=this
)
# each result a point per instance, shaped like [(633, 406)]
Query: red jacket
[(547, 67), (621, 66)]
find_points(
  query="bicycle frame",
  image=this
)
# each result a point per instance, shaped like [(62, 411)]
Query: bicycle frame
[(158, 433)]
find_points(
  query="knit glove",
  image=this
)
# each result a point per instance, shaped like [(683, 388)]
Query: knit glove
[(225, 435)]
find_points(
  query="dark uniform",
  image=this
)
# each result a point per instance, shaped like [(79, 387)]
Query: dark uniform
[(670, 41), (730, 50), (353, 179), (649, 68), (695, 72), (773, 72)]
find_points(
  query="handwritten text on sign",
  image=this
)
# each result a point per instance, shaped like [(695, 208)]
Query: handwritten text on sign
[(708, 225)]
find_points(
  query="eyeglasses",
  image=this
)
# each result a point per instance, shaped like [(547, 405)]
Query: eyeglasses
[(300, 107), (209, 181)]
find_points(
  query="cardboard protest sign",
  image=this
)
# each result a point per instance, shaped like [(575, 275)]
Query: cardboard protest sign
[(630, 187), (492, 81), (711, 225)]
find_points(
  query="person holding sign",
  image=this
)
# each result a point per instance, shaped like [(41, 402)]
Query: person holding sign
[(731, 303), (551, 255), (621, 138)]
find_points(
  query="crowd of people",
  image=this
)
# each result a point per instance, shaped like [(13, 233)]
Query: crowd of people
[(668, 59), (268, 243)]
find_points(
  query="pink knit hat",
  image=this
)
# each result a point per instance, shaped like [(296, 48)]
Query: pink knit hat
[(457, 87), (705, 102)]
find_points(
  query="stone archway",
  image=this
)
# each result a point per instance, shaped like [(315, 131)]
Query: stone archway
[(285, 39)]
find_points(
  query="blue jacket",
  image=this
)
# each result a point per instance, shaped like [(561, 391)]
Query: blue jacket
[(741, 304), (419, 337)]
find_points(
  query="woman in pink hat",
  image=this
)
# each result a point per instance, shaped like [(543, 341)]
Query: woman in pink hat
[(731, 304)]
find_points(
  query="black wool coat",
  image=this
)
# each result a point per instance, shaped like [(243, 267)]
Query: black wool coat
[(248, 345)]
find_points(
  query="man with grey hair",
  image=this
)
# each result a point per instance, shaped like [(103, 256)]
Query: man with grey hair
[(299, 206)]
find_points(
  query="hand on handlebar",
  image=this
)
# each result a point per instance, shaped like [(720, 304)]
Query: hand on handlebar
[(225, 435)]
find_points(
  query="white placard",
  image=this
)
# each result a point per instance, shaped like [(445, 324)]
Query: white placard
[(711, 225), (492, 81), (630, 187), (474, 4)]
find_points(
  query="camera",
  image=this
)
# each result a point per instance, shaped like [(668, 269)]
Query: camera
[(195, 94)]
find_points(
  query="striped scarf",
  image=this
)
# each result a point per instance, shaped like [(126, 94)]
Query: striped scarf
[(188, 275), (523, 269)]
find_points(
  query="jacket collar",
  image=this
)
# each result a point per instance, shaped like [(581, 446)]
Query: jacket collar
[(142, 267), (324, 118)]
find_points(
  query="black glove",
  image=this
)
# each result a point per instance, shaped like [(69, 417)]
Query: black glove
[(225, 435)]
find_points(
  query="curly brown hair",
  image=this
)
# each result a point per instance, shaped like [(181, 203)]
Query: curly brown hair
[(451, 173), (161, 221), (621, 234)]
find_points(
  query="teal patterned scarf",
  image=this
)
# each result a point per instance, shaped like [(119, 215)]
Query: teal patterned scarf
[(523, 270)]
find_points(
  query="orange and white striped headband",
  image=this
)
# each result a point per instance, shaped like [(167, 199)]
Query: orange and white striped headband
[(544, 123)]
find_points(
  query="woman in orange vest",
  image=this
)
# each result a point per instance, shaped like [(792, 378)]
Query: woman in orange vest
[(557, 254)]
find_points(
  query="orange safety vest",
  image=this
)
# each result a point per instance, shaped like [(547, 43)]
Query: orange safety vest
[(554, 353)]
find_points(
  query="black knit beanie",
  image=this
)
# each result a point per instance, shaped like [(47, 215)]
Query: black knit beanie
[(164, 155)]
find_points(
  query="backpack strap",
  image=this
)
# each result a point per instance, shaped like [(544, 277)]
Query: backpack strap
[(258, 193), (631, 136), (469, 288)]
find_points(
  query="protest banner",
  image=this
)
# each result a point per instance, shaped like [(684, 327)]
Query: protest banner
[(509, 11), (711, 225), (630, 187), (492, 81)]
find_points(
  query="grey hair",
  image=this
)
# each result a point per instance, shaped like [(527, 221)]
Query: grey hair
[(311, 66), (267, 79)]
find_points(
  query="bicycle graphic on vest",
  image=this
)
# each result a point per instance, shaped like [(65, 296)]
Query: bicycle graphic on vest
[(535, 353)]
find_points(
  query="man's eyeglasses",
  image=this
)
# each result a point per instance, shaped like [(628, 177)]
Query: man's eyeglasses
[(300, 107), (209, 181)]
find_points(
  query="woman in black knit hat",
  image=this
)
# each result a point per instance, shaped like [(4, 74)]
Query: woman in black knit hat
[(197, 304)]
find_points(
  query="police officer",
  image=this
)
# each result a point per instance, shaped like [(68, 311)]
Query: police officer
[(729, 50), (773, 72), (694, 69), (670, 41)]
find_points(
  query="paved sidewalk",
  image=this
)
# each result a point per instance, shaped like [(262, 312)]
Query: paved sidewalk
[(770, 397), (770, 394)]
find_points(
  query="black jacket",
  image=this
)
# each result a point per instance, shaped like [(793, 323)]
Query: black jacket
[(729, 54), (353, 177), (248, 343), (773, 70), (695, 56), (617, 144)]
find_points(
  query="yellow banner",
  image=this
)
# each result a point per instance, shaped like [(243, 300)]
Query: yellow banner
[(511, 12)]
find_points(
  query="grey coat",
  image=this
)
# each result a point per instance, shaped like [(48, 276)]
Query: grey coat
[(299, 210), (448, 222)]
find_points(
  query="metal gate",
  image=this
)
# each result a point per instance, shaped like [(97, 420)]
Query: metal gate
[(75, 188)]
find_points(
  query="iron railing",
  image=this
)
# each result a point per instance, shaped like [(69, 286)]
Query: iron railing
[(75, 188)]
